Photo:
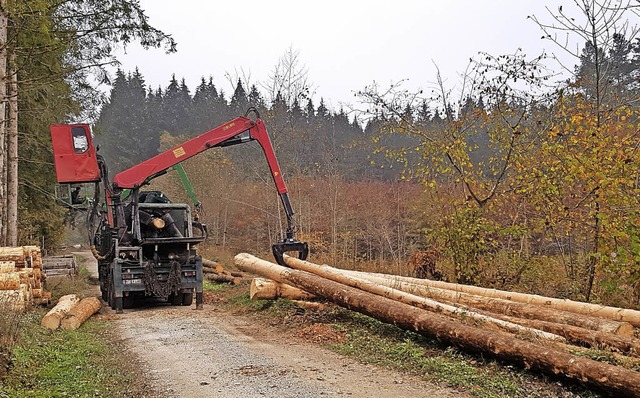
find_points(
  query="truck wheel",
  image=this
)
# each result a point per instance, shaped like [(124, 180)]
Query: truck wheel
[(175, 299), (187, 298), (127, 301)]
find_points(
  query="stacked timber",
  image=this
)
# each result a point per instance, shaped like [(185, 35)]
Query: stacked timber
[(215, 272), (64, 265), (528, 331), (21, 278)]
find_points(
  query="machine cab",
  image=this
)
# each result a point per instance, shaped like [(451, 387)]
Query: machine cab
[(74, 155)]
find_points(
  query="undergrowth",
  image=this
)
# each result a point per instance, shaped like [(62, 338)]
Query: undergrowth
[(76, 363)]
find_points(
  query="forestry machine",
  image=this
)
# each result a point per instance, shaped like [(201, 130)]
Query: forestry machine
[(145, 245)]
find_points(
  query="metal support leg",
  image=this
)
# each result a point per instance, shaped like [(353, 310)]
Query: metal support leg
[(119, 305), (199, 300)]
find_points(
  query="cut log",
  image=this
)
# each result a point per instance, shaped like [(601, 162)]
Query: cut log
[(213, 265), (417, 301), (53, 317), (222, 278), (12, 300), (266, 289), (10, 281), (596, 310), (577, 335), (500, 306), (616, 380), (209, 270), (80, 313), (7, 266)]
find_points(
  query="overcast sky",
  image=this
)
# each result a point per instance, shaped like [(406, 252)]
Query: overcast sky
[(346, 45)]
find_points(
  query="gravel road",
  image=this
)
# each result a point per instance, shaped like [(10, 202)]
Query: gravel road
[(191, 353), (209, 353)]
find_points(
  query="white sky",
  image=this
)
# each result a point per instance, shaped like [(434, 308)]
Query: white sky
[(345, 45)]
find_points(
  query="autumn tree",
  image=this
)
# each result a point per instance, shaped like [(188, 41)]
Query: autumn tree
[(589, 157)]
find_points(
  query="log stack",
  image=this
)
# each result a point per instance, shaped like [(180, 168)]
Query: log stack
[(64, 265), (215, 272), (527, 331), (21, 278)]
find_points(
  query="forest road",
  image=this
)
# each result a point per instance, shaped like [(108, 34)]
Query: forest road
[(211, 353)]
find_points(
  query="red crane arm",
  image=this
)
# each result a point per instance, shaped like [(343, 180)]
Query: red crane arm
[(236, 131)]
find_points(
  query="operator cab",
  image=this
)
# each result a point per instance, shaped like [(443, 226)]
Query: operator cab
[(75, 196)]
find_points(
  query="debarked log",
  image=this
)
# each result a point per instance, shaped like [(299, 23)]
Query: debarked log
[(52, 319), (267, 289), (335, 275), (501, 306), (596, 310), (502, 345), (80, 313)]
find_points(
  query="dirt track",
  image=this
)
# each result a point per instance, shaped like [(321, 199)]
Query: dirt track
[(208, 353)]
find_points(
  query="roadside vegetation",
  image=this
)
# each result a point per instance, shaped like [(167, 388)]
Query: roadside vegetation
[(86, 362)]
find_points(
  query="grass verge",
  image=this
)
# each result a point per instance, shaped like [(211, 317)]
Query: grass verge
[(76, 363)]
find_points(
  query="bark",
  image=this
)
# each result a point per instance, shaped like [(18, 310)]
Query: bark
[(80, 313), (417, 301), (12, 155), (501, 306), (3, 132), (222, 278), (577, 335), (212, 265), (596, 310), (614, 379), (266, 289), (52, 319)]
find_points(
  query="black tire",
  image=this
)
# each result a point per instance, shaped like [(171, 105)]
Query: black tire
[(127, 301), (175, 299), (187, 298)]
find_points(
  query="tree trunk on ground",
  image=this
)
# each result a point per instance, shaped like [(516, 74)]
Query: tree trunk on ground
[(12, 154), (501, 306), (80, 313), (578, 335), (266, 289), (601, 375), (53, 317), (417, 301), (212, 265), (222, 278), (600, 311)]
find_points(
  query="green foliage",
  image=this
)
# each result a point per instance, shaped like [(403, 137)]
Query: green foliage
[(77, 363), (469, 238)]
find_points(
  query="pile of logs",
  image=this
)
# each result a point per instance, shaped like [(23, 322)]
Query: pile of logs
[(64, 265), (70, 312), (21, 278), (215, 272), (533, 331)]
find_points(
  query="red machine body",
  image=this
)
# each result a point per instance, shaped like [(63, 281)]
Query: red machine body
[(74, 155), (238, 130)]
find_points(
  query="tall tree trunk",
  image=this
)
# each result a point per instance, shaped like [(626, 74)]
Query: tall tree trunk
[(12, 154), (3, 131)]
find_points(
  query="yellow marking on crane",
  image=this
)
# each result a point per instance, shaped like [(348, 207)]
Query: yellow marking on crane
[(178, 152), (228, 126)]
